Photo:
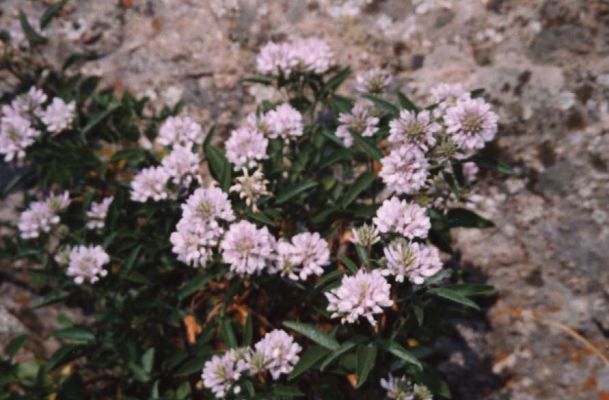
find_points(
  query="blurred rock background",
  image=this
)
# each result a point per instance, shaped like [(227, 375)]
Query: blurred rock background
[(545, 65)]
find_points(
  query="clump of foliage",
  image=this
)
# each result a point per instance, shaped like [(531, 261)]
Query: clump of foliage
[(311, 258)]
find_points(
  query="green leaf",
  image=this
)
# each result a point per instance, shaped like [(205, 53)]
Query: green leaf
[(14, 345), (263, 80), (138, 372), (329, 277), (75, 333), (130, 261), (477, 93), (64, 354), (383, 105), (219, 167), (228, 334), (419, 314), (32, 36), (50, 12), (97, 119), (345, 347), (454, 296), (367, 146), (308, 359), (349, 264), (51, 298), (184, 391), (248, 330), (488, 163), (334, 82), (340, 104), (366, 355), (148, 360), (194, 285), (471, 289), (400, 352), (286, 391), (260, 217), (406, 103), (313, 333), (192, 366), (464, 218), (361, 184), (294, 191)]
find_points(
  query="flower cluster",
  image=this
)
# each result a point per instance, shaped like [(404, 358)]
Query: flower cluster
[(414, 261), (247, 249), (402, 389), (276, 353), (97, 213), (22, 122), (374, 81), (302, 55), (200, 227), (305, 255), (41, 216), (402, 217), (358, 121), (85, 263), (178, 169), (362, 295)]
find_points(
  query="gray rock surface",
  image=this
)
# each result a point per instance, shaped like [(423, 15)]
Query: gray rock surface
[(545, 65)]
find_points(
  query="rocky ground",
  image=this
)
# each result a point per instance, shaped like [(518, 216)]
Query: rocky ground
[(545, 65)]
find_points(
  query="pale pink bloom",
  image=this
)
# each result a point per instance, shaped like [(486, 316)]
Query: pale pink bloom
[(246, 147), (471, 123), (413, 261), (251, 187), (365, 236), (182, 131), (275, 58), (404, 170), (221, 373), (311, 55), (278, 352), (96, 215), (447, 94), (400, 216), (208, 206), (284, 122), (41, 216), (306, 255), (87, 264), (181, 165), (150, 184), (374, 81), (192, 241), (16, 134), (402, 389), (246, 249), (470, 171), (358, 121), (30, 103), (59, 115), (411, 128), (362, 295)]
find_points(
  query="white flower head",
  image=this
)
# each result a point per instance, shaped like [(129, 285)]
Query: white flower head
[(471, 123), (183, 131), (246, 249), (150, 184), (306, 255), (362, 295), (411, 128), (413, 261), (251, 187), (447, 94), (404, 170), (365, 236), (374, 81), (193, 241), (59, 115), (87, 264), (221, 373), (277, 352), (30, 103), (41, 216), (16, 135), (246, 147), (96, 214), (359, 121), (284, 122), (208, 205), (181, 165), (399, 216), (402, 389)]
